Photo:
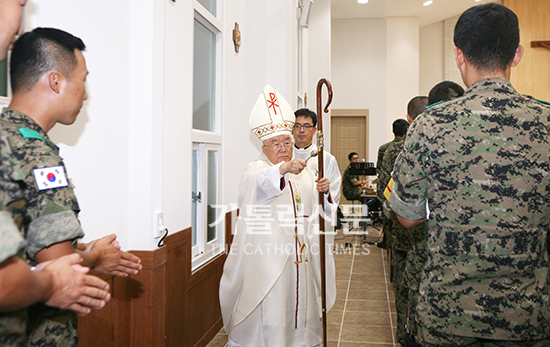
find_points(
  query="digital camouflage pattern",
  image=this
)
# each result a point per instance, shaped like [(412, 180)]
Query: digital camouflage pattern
[(482, 163), (52, 327), (402, 240), (381, 151), (386, 229), (13, 328), (12, 205), (51, 217), (350, 191), (52, 211), (398, 261), (416, 258), (385, 166), (11, 202)]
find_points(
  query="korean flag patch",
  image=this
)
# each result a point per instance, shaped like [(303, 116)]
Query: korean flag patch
[(50, 177)]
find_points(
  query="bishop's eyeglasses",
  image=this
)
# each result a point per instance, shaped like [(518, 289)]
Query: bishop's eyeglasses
[(279, 145)]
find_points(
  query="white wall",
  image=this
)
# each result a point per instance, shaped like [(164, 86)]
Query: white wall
[(403, 69), (319, 62), (359, 72), (129, 152), (267, 56), (375, 67), (432, 67)]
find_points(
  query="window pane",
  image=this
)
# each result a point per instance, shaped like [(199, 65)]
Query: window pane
[(210, 5), (4, 78), (204, 72), (194, 204), (212, 194)]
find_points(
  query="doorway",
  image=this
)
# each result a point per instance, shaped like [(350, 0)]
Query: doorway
[(348, 130)]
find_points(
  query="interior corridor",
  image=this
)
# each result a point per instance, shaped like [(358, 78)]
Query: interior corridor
[(364, 314)]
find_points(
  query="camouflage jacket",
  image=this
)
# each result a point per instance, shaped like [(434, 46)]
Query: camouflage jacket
[(350, 191), (52, 206), (11, 195), (381, 151), (385, 167), (12, 204), (482, 163)]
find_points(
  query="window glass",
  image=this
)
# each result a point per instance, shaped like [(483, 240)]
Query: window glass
[(204, 75), (212, 194), (210, 5), (194, 197), (4, 78)]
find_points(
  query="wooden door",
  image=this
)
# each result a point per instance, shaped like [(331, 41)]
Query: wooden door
[(348, 131)]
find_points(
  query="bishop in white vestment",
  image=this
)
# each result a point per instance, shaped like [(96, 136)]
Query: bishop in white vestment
[(270, 291)]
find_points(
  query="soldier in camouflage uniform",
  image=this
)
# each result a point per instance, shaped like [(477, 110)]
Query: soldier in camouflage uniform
[(51, 218), (387, 224), (12, 324), (400, 236), (416, 254), (351, 185), (56, 284), (481, 163)]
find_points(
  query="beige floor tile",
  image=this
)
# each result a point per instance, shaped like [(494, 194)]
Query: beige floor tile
[(367, 318), (339, 305), (376, 295), (333, 332), (367, 295), (368, 285), (360, 333), (341, 285), (220, 340), (364, 344), (367, 306), (334, 317), (342, 276)]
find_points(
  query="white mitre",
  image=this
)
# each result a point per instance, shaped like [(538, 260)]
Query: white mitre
[(272, 115)]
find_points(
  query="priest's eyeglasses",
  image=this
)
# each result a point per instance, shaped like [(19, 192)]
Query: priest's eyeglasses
[(277, 146), (303, 126)]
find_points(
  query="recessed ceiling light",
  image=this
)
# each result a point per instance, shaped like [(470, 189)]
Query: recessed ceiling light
[(362, 1), (428, 3), (478, 0)]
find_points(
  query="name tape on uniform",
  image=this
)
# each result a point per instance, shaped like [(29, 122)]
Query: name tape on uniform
[(50, 177)]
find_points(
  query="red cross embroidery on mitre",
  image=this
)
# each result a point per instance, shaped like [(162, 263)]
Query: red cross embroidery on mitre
[(272, 102)]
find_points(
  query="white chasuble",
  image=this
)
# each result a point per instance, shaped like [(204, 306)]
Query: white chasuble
[(270, 291)]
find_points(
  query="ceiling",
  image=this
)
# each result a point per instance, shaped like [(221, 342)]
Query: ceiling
[(438, 11)]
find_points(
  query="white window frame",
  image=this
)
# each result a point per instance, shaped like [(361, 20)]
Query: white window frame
[(203, 141)]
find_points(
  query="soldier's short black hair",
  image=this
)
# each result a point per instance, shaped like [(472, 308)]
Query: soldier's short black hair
[(39, 51), (444, 91), (351, 155), (306, 112), (416, 106), (488, 35), (400, 127)]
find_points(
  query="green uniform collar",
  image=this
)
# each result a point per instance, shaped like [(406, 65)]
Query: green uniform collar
[(30, 134)]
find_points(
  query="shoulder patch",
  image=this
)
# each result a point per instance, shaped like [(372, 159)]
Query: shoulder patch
[(432, 105), (544, 102), (50, 177), (30, 134)]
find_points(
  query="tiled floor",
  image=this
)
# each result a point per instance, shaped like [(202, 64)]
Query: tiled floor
[(364, 314)]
